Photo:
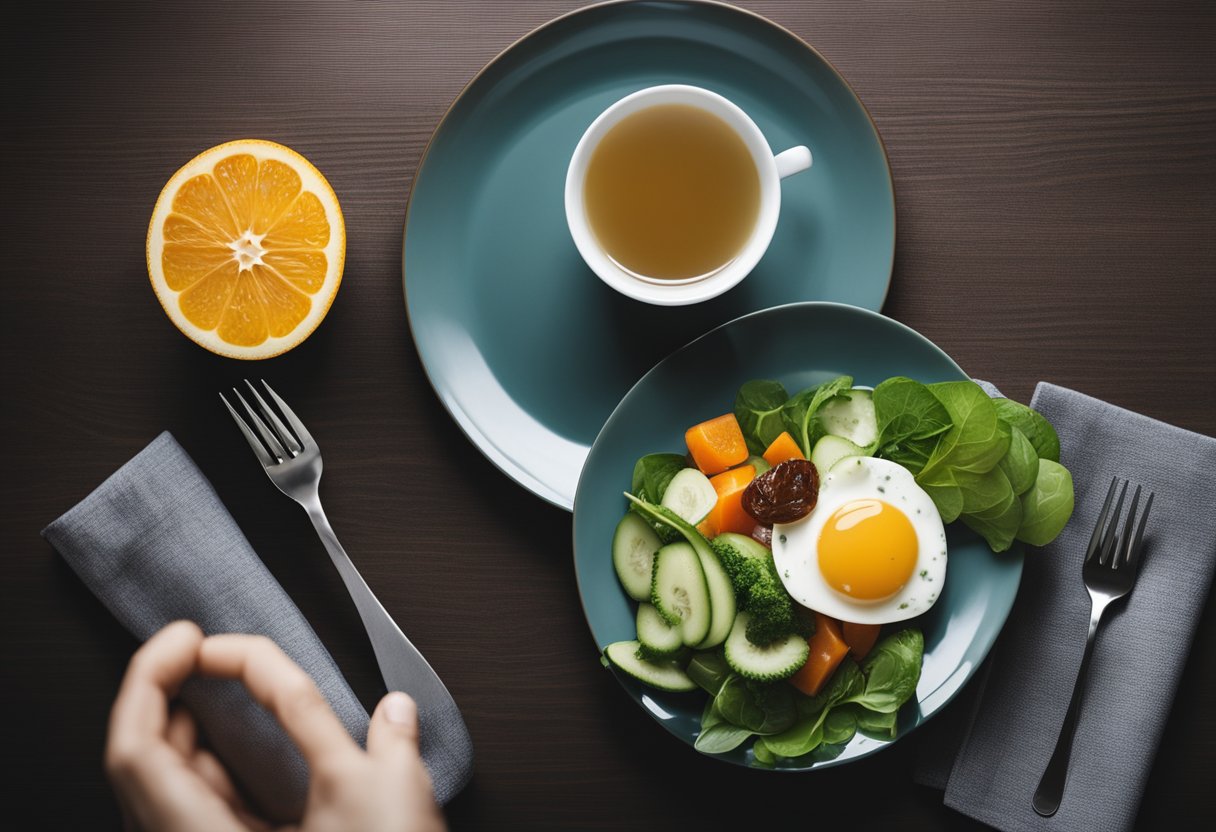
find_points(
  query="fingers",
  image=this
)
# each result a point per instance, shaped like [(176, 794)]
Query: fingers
[(141, 711), (393, 733), (182, 732), (282, 687)]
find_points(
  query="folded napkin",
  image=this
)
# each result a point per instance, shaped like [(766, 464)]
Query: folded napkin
[(989, 755), (155, 544)]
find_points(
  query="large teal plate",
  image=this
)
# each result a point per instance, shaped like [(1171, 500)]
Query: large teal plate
[(800, 345), (527, 349)]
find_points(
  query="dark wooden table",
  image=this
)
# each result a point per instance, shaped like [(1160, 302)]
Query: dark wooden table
[(1055, 164)]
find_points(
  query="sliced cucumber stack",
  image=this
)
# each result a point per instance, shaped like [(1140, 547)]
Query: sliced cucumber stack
[(679, 592), (721, 593), (690, 495), (663, 675), (831, 449), (657, 637), (851, 418), (633, 549), (778, 660)]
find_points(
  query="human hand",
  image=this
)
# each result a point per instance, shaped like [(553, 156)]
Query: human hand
[(164, 781)]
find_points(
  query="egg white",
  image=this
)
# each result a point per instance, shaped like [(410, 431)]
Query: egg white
[(795, 545)]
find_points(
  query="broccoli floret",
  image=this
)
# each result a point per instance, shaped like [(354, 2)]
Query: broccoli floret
[(758, 589)]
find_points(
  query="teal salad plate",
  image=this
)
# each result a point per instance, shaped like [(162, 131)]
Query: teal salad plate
[(526, 348), (799, 345)]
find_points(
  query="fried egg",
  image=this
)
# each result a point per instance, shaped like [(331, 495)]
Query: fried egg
[(872, 551)]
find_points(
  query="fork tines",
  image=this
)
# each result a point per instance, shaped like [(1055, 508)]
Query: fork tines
[(1109, 548), (277, 443)]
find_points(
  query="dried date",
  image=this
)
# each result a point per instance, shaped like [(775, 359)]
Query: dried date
[(783, 494)]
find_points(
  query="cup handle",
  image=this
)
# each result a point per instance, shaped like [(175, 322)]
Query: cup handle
[(794, 160)]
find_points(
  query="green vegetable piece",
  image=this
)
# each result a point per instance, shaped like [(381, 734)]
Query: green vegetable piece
[(762, 708), (999, 524), (759, 463), (758, 589), (758, 411), (908, 413), (840, 725), (653, 473), (764, 757), (1047, 506), (798, 414), (708, 668), (946, 495), (718, 736), (1033, 425), (983, 491), (891, 671), (808, 733), (1021, 464), (803, 738), (975, 441), (721, 738), (874, 724)]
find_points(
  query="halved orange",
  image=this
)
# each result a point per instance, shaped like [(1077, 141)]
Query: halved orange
[(246, 248)]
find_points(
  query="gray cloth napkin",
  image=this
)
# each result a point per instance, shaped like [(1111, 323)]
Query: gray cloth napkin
[(989, 753), (155, 544)]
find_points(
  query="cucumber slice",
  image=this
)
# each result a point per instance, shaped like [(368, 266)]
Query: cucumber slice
[(831, 449), (623, 655), (721, 596), (633, 547), (746, 546), (657, 637), (690, 495), (759, 463), (779, 660), (679, 592), (852, 418)]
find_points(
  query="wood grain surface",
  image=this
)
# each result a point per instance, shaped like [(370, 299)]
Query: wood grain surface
[(1055, 165)]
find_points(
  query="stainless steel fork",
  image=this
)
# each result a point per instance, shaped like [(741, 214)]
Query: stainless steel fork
[(292, 460), (1112, 563)]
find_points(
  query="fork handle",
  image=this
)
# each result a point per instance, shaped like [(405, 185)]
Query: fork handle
[(1051, 786), (401, 664)]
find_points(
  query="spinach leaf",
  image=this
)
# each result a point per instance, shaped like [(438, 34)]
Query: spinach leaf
[(758, 411), (907, 411), (758, 707), (874, 724), (891, 671), (839, 726), (709, 670), (1033, 424), (983, 491), (975, 442), (998, 525), (764, 757), (805, 736), (913, 454), (807, 733), (1047, 506), (798, 414), (720, 738), (1021, 463), (946, 495), (653, 473)]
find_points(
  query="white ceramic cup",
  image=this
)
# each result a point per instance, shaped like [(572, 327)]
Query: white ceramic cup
[(770, 168)]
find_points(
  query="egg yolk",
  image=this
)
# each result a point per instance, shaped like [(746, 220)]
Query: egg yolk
[(867, 550)]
